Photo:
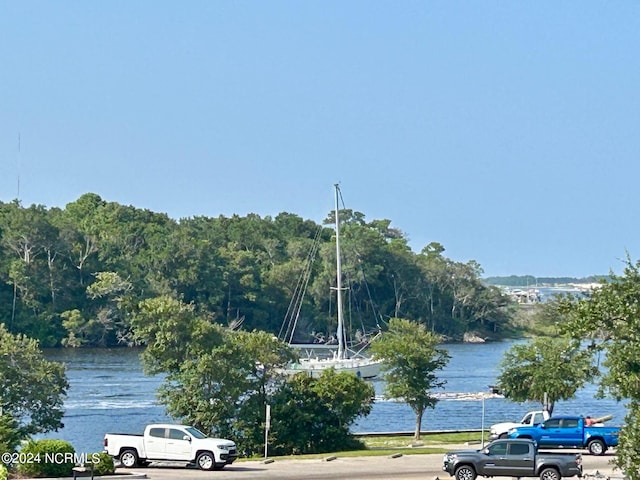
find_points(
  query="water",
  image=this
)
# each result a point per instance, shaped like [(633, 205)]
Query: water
[(473, 368), (109, 393)]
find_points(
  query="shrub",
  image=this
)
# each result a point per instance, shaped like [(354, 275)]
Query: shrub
[(3, 472), (9, 434), (47, 458), (102, 463)]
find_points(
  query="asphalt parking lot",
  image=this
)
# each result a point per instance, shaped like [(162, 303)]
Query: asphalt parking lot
[(405, 467)]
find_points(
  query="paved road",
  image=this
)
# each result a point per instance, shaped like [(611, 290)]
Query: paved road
[(406, 467)]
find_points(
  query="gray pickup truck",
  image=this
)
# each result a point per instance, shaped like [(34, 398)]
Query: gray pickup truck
[(512, 458)]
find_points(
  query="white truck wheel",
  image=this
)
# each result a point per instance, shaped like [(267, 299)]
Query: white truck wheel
[(205, 461)]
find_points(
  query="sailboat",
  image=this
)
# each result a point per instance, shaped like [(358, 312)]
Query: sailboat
[(343, 359)]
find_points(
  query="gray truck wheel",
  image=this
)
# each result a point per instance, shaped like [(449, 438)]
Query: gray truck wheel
[(549, 474), (596, 447), (465, 472), (205, 461), (129, 458)]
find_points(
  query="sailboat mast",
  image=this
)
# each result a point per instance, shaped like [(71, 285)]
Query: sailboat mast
[(340, 332)]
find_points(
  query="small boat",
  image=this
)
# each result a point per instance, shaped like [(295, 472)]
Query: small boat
[(343, 359)]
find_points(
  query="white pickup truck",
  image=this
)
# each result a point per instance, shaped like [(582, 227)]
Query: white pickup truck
[(170, 443), (499, 430)]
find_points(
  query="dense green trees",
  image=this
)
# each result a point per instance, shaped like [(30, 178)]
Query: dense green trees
[(239, 270), (610, 318), (32, 390), (410, 362)]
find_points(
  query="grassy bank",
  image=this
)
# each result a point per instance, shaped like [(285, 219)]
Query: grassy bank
[(428, 440), (381, 445)]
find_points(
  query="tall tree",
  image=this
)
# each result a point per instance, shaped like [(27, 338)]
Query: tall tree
[(79, 227), (545, 370), (32, 389), (434, 279), (610, 317), (30, 236), (211, 372), (410, 361)]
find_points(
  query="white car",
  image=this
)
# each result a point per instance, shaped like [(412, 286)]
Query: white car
[(172, 443)]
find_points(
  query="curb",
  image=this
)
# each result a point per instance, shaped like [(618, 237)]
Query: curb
[(117, 476)]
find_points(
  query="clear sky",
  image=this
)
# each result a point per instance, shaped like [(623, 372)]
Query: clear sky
[(508, 131)]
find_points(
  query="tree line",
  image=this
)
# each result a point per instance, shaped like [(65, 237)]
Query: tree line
[(75, 276), (530, 280)]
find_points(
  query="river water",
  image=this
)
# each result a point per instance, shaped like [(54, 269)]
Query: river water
[(109, 393)]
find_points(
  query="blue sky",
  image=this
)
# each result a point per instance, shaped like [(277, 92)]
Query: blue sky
[(507, 131)]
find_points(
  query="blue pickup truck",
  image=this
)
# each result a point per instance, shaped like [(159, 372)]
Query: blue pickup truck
[(570, 432)]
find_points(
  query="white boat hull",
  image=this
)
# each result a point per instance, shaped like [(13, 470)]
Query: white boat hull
[(360, 367)]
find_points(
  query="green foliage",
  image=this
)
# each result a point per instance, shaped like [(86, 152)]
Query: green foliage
[(430, 439), (216, 379), (106, 323), (213, 391), (207, 391), (4, 474), (101, 463), (220, 380), (32, 389), (173, 333), (201, 386), (10, 435), (610, 317), (628, 450), (79, 330), (312, 415), (47, 458), (454, 300), (546, 318), (237, 270), (555, 367), (410, 361)]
